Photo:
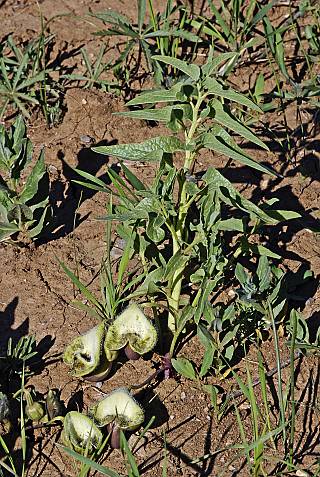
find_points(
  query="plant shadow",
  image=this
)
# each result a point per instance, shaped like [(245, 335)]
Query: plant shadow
[(65, 201)]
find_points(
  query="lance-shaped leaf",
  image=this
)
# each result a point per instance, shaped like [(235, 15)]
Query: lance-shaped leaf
[(32, 183), (193, 71), (80, 433), (230, 122), (119, 408), (223, 143), (231, 196), (150, 150), (214, 87), (156, 96)]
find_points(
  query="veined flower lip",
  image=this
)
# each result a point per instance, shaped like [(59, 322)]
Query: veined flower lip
[(134, 328), (83, 354), (80, 431), (118, 407)]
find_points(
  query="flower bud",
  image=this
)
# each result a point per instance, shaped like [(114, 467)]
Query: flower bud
[(34, 410)]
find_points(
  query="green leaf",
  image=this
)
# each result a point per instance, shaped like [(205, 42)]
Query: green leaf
[(35, 231), (241, 275), (31, 187), (134, 471), (152, 97), (193, 71), (231, 196), (150, 150), (262, 250), (84, 290), (282, 215), (214, 87), (231, 225), (213, 63), (154, 229), (162, 114), (96, 183), (226, 119), (175, 263), (132, 178), (91, 463), (206, 340), (218, 144), (125, 258), (264, 273), (184, 367)]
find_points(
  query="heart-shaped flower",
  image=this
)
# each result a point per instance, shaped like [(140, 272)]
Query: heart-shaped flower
[(87, 355), (131, 328), (120, 409), (80, 433)]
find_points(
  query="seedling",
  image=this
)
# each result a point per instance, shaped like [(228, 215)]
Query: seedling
[(163, 34), (132, 330), (120, 411), (23, 204), (24, 79), (92, 76), (80, 433), (233, 28), (88, 357)]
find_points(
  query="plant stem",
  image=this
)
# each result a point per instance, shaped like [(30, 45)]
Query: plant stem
[(292, 385), (178, 237), (277, 348)]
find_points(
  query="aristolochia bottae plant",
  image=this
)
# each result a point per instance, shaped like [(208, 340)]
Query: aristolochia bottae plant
[(23, 207), (88, 355), (80, 433), (119, 411), (132, 330), (188, 228)]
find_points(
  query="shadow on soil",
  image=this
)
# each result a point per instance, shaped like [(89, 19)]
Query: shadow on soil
[(67, 197)]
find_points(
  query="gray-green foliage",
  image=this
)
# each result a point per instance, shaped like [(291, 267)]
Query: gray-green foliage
[(163, 33), (188, 229), (23, 206), (93, 74), (25, 81), (232, 27)]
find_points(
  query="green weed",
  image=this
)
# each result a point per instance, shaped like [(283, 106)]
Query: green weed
[(24, 208)]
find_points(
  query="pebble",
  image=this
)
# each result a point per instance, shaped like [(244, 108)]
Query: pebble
[(183, 395), (85, 139), (84, 101), (52, 169)]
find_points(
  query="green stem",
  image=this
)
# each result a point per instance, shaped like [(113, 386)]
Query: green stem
[(277, 348), (292, 385), (178, 237)]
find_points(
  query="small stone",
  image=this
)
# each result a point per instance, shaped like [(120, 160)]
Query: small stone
[(52, 169), (171, 418), (301, 473), (85, 139), (84, 101), (310, 301), (231, 293), (183, 395)]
